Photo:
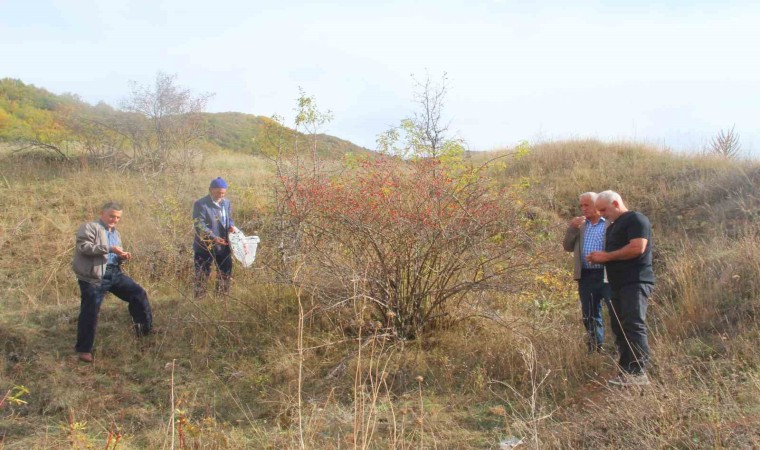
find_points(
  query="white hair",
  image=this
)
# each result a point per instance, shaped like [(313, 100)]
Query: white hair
[(610, 196), (590, 195)]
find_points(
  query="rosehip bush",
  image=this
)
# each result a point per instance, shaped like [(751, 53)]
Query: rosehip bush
[(415, 237)]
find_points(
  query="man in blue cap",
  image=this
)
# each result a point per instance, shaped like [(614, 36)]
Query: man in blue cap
[(212, 218)]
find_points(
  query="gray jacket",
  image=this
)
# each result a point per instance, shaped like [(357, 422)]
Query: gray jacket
[(573, 242), (91, 252), (209, 224)]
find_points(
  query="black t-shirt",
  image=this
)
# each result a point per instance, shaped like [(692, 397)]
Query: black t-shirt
[(630, 225)]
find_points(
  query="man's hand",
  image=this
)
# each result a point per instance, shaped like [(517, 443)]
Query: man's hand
[(120, 253), (220, 241), (233, 229), (576, 222), (598, 257)]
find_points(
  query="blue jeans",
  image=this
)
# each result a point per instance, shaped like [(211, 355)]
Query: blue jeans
[(221, 258), (628, 320), (593, 291), (123, 287)]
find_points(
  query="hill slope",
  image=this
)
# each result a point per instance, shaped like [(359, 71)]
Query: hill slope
[(247, 133), (243, 372)]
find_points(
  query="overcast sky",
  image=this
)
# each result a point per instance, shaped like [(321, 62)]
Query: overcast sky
[(671, 73)]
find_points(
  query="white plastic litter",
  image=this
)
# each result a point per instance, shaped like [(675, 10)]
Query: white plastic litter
[(244, 247), (510, 443)]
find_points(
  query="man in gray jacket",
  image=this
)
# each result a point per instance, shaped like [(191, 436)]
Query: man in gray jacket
[(97, 264), (584, 235)]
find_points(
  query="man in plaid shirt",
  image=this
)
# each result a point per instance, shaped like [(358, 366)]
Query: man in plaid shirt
[(585, 235)]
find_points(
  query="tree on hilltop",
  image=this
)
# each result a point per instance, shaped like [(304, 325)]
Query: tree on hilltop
[(726, 144), (424, 134)]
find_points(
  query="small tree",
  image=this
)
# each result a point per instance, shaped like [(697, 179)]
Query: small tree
[(164, 121), (285, 148), (311, 119), (726, 144), (425, 133)]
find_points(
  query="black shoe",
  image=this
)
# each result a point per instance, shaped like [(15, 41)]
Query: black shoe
[(142, 329)]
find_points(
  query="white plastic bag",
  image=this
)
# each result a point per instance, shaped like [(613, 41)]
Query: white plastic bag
[(244, 247)]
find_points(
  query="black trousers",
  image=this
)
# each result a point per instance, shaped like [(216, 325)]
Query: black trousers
[(121, 286), (221, 258), (628, 322)]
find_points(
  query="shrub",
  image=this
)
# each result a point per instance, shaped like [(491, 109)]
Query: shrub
[(413, 237)]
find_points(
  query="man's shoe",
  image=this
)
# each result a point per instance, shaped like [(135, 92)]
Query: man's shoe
[(141, 329), (630, 379), (86, 357)]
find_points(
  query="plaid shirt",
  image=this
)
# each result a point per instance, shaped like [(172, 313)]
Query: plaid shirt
[(593, 241), (113, 241)]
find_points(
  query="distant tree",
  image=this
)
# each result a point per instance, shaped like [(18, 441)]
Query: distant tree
[(164, 121), (311, 119), (424, 134), (726, 143)]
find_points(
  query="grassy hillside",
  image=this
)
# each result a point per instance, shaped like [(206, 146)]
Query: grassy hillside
[(247, 133), (231, 372)]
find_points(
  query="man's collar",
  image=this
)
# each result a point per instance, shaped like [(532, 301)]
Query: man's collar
[(105, 226)]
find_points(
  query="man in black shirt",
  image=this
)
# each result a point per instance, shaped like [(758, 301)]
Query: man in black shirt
[(628, 260)]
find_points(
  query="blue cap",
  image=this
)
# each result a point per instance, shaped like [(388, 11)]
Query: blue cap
[(218, 182)]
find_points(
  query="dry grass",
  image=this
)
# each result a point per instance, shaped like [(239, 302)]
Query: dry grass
[(518, 368)]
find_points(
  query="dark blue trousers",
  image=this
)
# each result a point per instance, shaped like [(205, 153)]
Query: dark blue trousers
[(629, 311), (123, 287), (220, 258), (593, 292)]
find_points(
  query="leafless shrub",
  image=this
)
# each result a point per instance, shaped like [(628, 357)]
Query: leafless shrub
[(164, 121), (726, 143)]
